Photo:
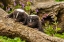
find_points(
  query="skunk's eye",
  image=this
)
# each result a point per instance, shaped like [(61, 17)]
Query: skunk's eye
[(33, 20)]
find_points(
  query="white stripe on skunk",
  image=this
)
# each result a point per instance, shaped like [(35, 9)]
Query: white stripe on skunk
[(21, 10)]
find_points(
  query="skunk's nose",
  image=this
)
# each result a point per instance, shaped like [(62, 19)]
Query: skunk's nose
[(15, 19), (29, 24)]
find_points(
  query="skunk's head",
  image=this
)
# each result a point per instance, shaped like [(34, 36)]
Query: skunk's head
[(33, 20)]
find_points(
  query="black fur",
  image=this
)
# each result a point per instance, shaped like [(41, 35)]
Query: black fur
[(34, 22)]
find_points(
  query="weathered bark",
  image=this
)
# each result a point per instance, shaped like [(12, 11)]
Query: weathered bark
[(49, 7), (37, 1), (3, 13), (10, 28)]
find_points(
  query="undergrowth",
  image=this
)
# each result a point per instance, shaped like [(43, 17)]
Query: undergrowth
[(59, 0), (6, 39), (53, 31)]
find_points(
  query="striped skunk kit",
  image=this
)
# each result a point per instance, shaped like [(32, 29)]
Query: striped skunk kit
[(19, 15)]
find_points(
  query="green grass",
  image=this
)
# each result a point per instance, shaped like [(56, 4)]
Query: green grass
[(59, 0), (6, 39)]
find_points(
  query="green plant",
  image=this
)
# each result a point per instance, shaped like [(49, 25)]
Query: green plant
[(50, 30), (27, 7), (6, 39), (17, 6), (59, 35), (53, 31), (56, 28), (59, 0)]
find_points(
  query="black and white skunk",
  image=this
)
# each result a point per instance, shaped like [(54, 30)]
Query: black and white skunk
[(19, 15), (34, 22)]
